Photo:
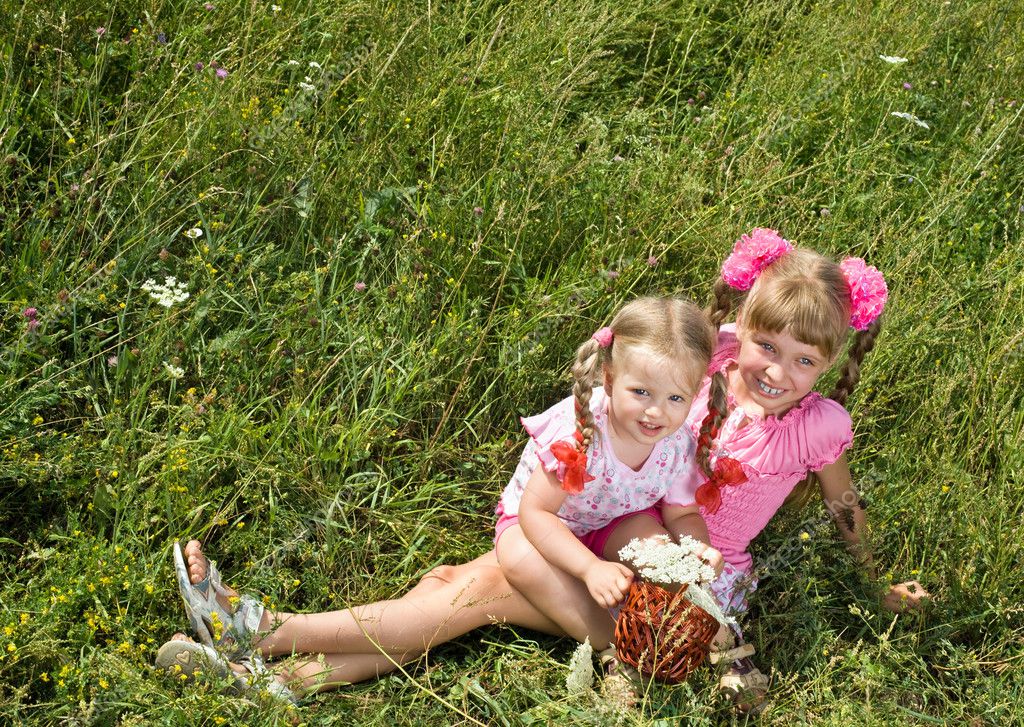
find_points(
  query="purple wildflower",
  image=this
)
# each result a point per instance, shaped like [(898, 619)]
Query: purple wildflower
[(652, 261), (101, 31), (33, 324), (209, 6), (161, 38), (478, 211), (907, 86), (222, 73), (200, 66), (824, 212), (112, 361), (30, 313), (612, 274), (360, 286), (213, 64)]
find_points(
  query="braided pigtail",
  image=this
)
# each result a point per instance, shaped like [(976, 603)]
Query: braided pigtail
[(863, 342), (722, 305), (588, 358), (718, 403)]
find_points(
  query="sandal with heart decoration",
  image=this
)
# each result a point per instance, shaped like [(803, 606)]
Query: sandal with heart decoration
[(188, 659), (230, 631), (744, 683)]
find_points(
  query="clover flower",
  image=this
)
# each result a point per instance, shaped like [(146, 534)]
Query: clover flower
[(172, 291), (581, 669)]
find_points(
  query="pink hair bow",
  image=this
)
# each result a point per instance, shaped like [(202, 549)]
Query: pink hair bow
[(868, 292), (752, 254)]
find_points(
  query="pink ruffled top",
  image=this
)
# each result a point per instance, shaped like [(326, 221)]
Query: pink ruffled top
[(617, 489), (775, 452)]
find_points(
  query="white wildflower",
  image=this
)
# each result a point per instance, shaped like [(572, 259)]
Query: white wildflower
[(175, 372), (169, 293), (294, 62), (314, 64), (895, 60), (276, 8), (911, 118), (581, 669), (659, 560), (194, 234), (307, 86)]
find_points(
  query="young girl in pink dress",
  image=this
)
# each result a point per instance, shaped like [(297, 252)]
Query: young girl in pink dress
[(772, 432)]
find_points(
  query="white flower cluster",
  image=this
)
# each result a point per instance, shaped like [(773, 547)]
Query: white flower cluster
[(659, 560), (193, 234), (169, 293), (895, 60), (175, 372), (581, 669), (911, 118)]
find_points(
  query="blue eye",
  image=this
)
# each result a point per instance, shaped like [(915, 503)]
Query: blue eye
[(677, 398), (640, 392), (806, 362), (767, 347)]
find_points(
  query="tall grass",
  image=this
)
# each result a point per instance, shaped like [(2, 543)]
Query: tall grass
[(399, 258)]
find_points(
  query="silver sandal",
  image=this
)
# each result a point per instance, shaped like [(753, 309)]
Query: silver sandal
[(188, 659), (214, 625)]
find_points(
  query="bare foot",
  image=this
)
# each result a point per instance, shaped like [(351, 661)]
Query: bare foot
[(198, 566)]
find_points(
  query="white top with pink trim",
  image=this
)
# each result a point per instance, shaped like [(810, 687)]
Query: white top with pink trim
[(617, 489)]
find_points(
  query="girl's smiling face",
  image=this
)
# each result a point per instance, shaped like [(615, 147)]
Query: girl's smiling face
[(775, 371), (647, 399)]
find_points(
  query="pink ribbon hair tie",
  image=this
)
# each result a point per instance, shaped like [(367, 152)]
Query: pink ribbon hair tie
[(603, 336)]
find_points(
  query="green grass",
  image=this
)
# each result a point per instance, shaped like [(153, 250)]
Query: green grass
[(486, 170)]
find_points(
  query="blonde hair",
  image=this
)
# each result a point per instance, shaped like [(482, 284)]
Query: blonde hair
[(805, 293), (674, 330)]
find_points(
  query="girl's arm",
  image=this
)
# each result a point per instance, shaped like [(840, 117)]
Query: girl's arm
[(687, 520), (607, 582), (847, 510)]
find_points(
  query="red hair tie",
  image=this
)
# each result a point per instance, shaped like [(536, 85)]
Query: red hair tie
[(575, 461), (727, 471)]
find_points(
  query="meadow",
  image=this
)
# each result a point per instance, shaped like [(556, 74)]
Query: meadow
[(395, 222)]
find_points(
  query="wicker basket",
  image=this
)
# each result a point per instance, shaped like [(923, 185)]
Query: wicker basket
[(663, 634)]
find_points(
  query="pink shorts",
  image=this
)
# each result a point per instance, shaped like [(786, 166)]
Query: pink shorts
[(595, 540)]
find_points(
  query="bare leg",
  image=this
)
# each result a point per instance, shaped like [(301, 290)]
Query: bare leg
[(448, 602), (321, 672), (552, 591)]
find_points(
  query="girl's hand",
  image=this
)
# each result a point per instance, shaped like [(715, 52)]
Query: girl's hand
[(713, 558), (906, 596), (608, 582)]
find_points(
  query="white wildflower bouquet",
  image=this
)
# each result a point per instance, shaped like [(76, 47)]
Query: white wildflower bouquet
[(661, 561)]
